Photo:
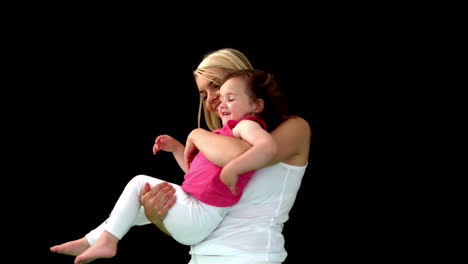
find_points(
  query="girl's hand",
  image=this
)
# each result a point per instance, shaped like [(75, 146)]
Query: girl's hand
[(166, 143)]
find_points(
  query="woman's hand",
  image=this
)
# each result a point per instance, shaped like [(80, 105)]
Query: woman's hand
[(157, 200), (229, 177)]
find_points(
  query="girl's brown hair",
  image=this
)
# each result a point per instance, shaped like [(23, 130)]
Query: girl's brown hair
[(262, 85)]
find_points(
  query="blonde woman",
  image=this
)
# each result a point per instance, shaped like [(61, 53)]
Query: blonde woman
[(251, 231), (249, 99)]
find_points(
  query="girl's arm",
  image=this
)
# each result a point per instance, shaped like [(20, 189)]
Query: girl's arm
[(170, 144), (227, 148)]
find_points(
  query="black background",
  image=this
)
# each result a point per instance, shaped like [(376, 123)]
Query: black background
[(94, 98)]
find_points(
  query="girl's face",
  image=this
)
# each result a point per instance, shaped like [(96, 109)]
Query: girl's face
[(235, 100), (209, 88)]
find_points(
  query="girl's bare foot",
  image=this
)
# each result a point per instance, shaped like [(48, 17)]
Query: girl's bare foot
[(74, 248), (105, 247)]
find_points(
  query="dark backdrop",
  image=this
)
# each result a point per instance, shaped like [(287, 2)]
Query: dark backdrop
[(95, 101)]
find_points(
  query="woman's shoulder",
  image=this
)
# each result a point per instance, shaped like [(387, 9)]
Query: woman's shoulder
[(293, 126), (296, 122), (293, 137)]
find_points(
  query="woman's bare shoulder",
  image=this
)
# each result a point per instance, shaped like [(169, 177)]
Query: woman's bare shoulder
[(297, 123), (293, 137)]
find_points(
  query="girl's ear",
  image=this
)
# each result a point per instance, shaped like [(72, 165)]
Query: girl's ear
[(259, 106)]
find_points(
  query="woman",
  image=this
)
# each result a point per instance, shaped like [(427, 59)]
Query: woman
[(204, 197), (251, 232)]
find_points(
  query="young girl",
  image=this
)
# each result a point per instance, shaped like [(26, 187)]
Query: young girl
[(206, 193)]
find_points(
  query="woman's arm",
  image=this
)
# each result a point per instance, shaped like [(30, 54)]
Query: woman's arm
[(292, 139), (263, 149), (294, 136), (217, 148)]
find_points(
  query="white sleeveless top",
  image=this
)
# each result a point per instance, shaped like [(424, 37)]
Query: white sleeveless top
[(253, 227)]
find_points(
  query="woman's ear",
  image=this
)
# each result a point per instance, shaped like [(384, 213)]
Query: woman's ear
[(259, 106)]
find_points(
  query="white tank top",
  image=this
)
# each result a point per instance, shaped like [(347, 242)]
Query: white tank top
[(253, 227)]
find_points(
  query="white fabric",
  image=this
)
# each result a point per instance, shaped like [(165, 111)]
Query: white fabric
[(189, 220), (253, 227), (225, 260)]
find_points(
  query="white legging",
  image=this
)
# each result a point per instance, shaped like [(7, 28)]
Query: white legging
[(189, 221), (201, 259)]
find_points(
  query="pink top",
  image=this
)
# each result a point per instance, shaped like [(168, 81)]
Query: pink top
[(203, 181)]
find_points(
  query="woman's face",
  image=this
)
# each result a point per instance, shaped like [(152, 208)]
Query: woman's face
[(209, 88)]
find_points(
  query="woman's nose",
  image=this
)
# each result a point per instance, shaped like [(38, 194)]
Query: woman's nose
[(212, 102), (212, 97)]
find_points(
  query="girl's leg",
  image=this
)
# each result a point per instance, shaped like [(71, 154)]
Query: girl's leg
[(140, 219), (73, 248), (127, 211), (131, 192), (204, 259), (122, 218), (190, 221), (105, 247)]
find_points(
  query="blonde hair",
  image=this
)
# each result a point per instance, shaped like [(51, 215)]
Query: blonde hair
[(228, 60)]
